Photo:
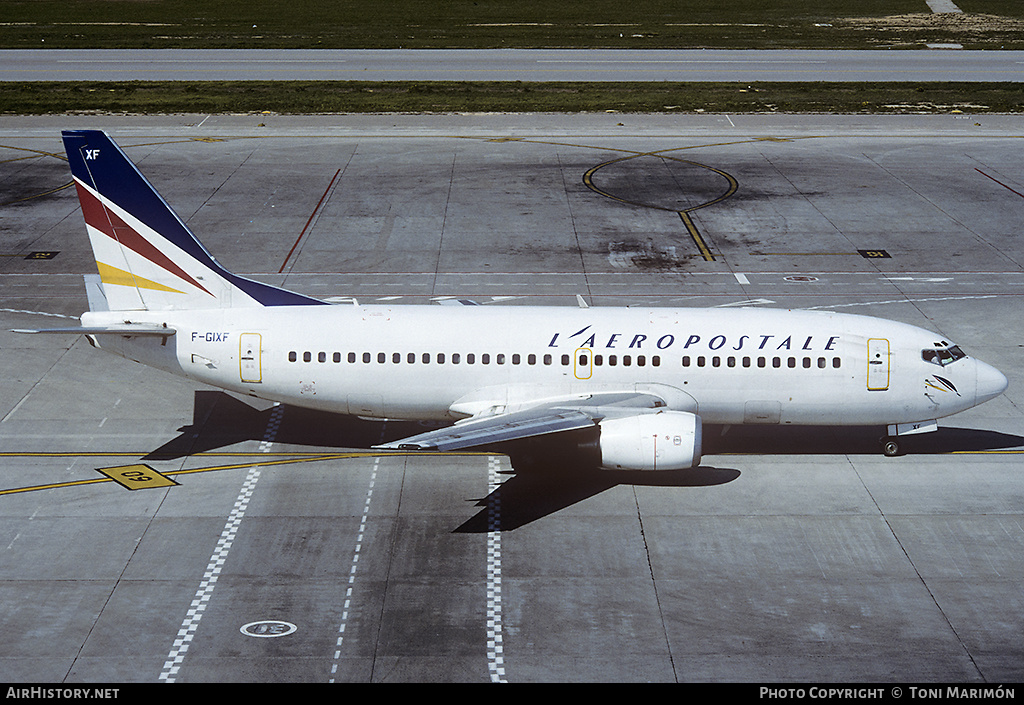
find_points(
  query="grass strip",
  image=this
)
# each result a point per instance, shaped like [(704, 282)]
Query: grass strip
[(320, 97), (639, 24)]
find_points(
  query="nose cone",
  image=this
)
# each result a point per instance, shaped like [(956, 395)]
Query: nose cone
[(991, 382)]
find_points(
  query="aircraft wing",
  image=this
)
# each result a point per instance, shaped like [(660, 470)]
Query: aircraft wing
[(494, 429), (526, 419), (126, 329)]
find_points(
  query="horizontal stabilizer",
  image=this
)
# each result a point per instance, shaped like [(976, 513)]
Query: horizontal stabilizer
[(456, 302), (127, 329)]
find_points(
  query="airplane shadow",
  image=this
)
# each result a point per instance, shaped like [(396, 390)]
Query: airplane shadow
[(546, 476), (220, 420), (546, 479), (849, 440)]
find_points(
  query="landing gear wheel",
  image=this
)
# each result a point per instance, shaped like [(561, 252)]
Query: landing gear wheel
[(890, 447)]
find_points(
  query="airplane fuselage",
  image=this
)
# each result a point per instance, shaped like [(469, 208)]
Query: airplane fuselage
[(730, 366), (640, 383)]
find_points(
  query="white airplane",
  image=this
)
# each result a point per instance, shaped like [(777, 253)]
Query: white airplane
[(645, 380)]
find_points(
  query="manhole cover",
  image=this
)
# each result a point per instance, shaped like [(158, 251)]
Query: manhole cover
[(268, 628)]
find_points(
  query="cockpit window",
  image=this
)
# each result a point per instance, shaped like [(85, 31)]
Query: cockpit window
[(943, 356)]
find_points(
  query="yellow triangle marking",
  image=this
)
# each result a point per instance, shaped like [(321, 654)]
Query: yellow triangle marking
[(113, 275)]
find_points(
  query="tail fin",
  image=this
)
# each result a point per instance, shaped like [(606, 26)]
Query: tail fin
[(147, 257)]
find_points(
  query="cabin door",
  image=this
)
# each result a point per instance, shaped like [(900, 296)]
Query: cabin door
[(878, 364), (583, 364), (250, 362)]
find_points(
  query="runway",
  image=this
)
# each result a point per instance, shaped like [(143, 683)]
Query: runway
[(509, 65), (281, 549)]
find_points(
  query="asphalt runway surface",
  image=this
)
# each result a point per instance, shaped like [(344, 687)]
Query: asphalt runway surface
[(281, 549), (509, 65)]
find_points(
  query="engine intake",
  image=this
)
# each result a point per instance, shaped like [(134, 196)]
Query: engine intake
[(667, 440)]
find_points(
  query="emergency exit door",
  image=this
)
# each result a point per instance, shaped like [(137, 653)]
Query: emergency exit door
[(583, 363), (250, 357), (878, 364)]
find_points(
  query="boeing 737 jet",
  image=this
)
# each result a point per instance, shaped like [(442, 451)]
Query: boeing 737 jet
[(643, 380)]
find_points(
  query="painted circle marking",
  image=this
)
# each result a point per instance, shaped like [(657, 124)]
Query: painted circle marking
[(268, 628)]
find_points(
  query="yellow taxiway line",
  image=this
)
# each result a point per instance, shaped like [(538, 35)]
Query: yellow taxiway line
[(264, 460)]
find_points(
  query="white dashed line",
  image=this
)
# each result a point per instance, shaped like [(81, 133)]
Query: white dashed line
[(495, 648), (217, 560), (902, 301), (352, 571), (38, 313)]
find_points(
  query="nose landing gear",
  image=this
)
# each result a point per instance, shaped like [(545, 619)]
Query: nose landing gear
[(893, 439), (890, 446)]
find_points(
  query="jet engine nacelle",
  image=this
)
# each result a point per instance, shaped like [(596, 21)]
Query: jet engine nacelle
[(667, 440)]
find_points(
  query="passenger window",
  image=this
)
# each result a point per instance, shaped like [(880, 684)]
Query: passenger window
[(292, 357), (686, 360), (411, 358), (396, 358), (455, 358), (598, 360), (656, 361), (337, 357), (470, 358), (565, 360), (531, 359), (612, 360), (381, 358), (440, 358), (306, 357), (426, 358), (547, 359), (500, 358), (485, 359), (836, 362), (515, 359)]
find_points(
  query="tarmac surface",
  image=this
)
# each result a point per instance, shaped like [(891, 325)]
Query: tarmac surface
[(508, 65), (286, 551)]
